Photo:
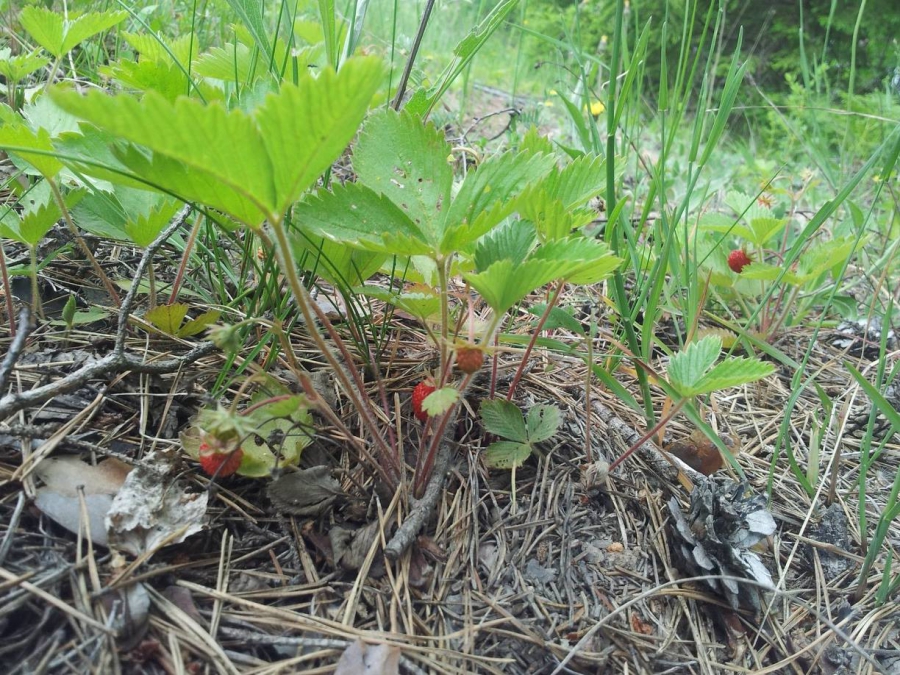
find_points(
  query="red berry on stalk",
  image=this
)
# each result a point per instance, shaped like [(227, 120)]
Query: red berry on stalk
[(738, 260), (469, 359), (216, 463), (420, 393)]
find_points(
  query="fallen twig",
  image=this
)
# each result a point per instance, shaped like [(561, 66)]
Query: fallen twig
[(116, 361), (26, 324), (422, 508)]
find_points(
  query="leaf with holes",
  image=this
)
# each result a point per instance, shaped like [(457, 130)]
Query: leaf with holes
[(506, 454)]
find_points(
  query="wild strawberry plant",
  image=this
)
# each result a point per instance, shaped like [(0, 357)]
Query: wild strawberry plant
[(751, 272)]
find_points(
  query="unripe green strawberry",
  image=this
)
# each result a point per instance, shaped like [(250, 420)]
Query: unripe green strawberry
[(420, 393), (216, 463)]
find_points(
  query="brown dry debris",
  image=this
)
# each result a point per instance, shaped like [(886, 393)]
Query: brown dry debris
[(555, 568)]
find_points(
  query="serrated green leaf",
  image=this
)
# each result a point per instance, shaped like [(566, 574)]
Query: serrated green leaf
[(440, 401), (551, 218), (486, 196), (15, 68), (146, 227), (732, 372), (45, 27), (503, 418), (402, 158), (202, 152), (88, 25), (37, 222), (306, 127), (164, 77), (233, 63), (354, 214), (824, 256), (167, 318), (335, 262), (92, 153), (250, 167), (765, 228), (512, 241), (198, 325), (289, 407), (687, 367), (420, 305), (58, 35), (506, 454), (542, 422), (18, 139), (768, 272), (583, 260), (577, 182), (532, 142), (504, 283)]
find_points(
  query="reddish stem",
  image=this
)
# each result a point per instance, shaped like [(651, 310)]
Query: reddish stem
[(650, 434), (551, 303)]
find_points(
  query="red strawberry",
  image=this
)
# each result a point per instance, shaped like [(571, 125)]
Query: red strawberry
[(738, 260), (419, 394), (469, 359), (217, 463)]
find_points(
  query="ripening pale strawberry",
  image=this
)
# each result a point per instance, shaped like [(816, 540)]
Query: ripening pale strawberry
[(420, 393), (216, 463), (738, 260), (469, 359)]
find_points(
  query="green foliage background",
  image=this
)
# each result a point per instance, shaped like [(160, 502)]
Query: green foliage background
[(772, 30)]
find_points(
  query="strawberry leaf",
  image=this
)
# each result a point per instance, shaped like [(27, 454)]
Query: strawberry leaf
[(440, 401), (506, 454), (504, 418)]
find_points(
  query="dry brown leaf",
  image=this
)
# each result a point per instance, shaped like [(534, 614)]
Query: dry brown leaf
[(701, 454)]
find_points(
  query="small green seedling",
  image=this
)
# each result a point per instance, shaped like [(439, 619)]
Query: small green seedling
[(522, 432)]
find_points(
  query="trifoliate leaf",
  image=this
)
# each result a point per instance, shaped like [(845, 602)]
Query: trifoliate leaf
[(504, 418), (687, 367), (167, 318)]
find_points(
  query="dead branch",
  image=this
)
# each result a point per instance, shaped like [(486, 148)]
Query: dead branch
[(26, 325), (421, 508), (116, 361)]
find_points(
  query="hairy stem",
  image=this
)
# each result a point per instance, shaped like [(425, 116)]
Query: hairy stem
[(308, 310)]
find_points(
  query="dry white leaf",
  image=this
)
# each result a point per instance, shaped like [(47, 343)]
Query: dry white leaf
[(362, 659), (151, 511)]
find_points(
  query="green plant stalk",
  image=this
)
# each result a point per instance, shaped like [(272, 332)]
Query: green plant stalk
[(7, 292), (36, 302), (618, 278), (407, 70), (551, 303), (110, 288), (425, 460), (357, 397), (443, 265), (425, 467)]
